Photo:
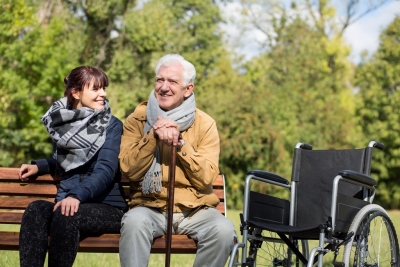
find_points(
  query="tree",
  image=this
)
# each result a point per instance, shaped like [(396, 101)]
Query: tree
[(160, 27), (298, 90), (40, 42), (378, 83)]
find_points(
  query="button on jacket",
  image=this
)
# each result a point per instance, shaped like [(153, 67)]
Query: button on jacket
[(196, 164), (99, 179)]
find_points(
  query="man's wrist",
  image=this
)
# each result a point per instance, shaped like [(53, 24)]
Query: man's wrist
[(153, 133)]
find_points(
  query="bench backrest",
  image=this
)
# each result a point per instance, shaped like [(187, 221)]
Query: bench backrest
[(16, 195)]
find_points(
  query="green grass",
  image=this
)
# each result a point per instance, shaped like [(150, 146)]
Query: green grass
[(11, 258)]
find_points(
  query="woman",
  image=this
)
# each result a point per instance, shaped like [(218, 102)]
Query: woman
[(90, 200)]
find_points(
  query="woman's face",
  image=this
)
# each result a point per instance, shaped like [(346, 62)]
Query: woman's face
[(90, 97)]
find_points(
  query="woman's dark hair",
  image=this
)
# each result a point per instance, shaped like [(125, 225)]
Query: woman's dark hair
[(83, 76)]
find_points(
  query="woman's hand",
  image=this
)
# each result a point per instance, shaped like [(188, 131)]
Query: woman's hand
[(27, 170), (69, 206)]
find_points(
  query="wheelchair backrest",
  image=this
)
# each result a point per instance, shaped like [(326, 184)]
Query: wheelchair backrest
[(314, 172)]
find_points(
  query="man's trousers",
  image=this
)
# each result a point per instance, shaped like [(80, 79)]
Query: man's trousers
[(214, 232)]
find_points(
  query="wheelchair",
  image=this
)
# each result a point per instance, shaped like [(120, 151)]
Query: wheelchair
[(331, 196)]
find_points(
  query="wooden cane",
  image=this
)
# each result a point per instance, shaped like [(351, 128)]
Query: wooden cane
[(170, 205)]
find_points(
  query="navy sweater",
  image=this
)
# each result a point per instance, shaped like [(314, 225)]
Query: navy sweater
[(99, 179)]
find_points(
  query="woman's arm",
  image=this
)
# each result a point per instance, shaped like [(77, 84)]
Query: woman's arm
[(38, 167)]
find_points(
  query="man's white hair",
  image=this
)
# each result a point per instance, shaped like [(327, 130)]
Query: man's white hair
[(189, 72)]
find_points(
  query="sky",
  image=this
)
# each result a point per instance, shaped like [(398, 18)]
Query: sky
[(360, 36), (364, 33)]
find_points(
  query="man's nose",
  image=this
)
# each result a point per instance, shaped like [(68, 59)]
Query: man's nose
[(164, 86)]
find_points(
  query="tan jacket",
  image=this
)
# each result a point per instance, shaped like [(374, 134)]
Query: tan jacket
[(196, 163)]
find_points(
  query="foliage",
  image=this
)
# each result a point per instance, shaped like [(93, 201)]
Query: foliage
[(185, 27), (28, 76), (378, 82), (298, 91), (41, 41)]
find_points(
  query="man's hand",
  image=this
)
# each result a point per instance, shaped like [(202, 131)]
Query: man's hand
[(69, 206), (27, 170), (167, 131), (168, 123)]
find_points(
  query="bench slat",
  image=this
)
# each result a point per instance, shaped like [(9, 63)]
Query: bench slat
[(7, 217), (10, 175), (28, 190), (9, 240), (51, 190), (218, 192), (19, 203), (218, 182), (108, 243)]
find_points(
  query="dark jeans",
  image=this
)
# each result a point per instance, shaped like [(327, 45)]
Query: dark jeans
[(39, 222)]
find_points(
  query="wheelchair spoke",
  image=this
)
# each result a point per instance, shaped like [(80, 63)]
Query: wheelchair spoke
[(375, 242), (379, 243)]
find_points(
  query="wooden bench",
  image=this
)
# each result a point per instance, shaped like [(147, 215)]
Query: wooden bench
[(16, 195)]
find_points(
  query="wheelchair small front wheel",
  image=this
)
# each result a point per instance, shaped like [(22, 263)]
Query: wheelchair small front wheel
[(274, 252), (374, 242)]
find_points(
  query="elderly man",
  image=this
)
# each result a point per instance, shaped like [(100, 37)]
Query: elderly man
[(170, 118)]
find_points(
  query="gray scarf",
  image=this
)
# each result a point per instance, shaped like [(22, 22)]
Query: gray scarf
[(78, 133), (183, 116)]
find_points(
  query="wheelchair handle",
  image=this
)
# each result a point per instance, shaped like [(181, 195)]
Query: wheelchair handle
[(304, 146), (376, 144)]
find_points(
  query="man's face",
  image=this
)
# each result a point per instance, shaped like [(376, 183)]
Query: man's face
[(170, 90)]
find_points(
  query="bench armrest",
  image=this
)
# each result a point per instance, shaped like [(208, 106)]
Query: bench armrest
[(358, 177), (268, 175)]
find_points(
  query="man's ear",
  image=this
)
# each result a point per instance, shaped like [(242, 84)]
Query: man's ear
[(189, 90), (76, 94)]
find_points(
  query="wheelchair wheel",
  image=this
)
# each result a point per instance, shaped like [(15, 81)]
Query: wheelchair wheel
[(374, 242), (272, 251)]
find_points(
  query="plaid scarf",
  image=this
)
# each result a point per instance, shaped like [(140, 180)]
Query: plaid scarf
[(78, 133), (183, 116)]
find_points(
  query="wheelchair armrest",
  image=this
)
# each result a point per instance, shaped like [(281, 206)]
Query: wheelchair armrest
[(268, 175), (358, 177)]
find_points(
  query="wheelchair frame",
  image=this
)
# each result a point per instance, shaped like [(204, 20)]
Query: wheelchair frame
[(325, 236)]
